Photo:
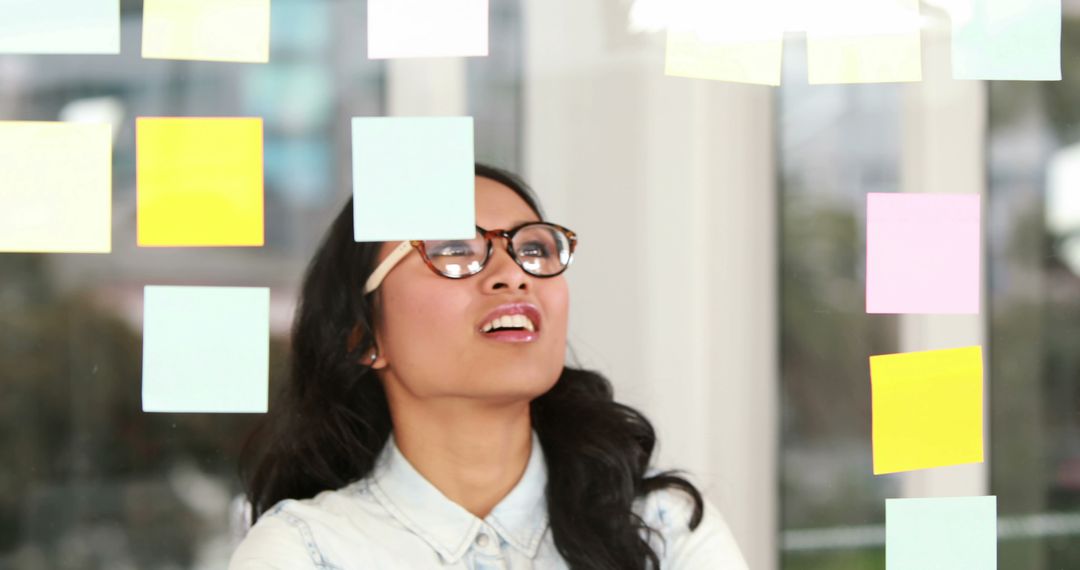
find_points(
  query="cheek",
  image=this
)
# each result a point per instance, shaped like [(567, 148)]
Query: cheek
[(414, 316), (556, 300)]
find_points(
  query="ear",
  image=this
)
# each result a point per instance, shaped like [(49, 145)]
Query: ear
[(354, 339), (365, 358)]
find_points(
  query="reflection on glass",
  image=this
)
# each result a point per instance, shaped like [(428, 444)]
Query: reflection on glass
[(837, 143), (1034, 290), (88, 480)]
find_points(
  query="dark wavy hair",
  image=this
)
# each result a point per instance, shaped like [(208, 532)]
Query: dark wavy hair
[(331, 419)]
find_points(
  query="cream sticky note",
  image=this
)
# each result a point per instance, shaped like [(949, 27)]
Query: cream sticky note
[(726, 40), (205, 349), (199, 181), (55, 187), (427, 28), (413, 178), (922, 253), (927, 409), (1006, 39), (208, 30), (864, 41), (958, 533), (60, 26)]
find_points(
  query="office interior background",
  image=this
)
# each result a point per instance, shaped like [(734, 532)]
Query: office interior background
[(719, 282)]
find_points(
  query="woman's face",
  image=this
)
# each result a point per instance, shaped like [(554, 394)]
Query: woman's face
[(429, 327)]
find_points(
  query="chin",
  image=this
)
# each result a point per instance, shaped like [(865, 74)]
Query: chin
[(526, 389)]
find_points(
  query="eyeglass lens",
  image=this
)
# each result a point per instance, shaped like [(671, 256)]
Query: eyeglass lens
[(541, 250)]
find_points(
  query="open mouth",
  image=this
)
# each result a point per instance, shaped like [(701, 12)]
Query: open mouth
[(512, 322), (509, 323)]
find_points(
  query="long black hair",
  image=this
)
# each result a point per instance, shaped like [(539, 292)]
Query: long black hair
[(329, 423)]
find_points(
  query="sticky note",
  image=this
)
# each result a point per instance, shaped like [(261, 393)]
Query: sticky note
[(864, 41), (209, 30), (205, 349), (199, 181), (427, 28), (413, 178), (55, 187), (60, 26), (1006, 39), (927, 409), (922, 253), (958, 533), (726, 40)]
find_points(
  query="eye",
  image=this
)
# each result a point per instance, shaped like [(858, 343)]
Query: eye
[(450, 249), (534, 249)]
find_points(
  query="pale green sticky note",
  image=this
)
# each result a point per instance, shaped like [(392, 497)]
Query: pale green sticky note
[(55, 187), (206, 349), (413, 178), (955, 533), (60, 26), (1006, 39)]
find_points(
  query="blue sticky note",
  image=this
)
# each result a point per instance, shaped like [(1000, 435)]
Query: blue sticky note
[(413, 178), (206, 349), (1006, 39), (948, 533), (60, 26)]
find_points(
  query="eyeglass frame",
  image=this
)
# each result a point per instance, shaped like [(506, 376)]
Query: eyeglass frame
[(405, 247)]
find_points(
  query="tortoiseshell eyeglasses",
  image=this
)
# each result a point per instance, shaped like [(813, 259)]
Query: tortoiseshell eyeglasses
[(541, 249)]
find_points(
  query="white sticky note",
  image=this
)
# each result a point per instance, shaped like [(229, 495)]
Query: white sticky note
[(427, 28)]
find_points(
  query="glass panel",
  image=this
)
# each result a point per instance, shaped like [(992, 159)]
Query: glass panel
[(1034, 286), (836, 144), (87, 479)]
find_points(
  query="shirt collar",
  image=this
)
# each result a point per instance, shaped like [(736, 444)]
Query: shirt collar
[(520, 518)]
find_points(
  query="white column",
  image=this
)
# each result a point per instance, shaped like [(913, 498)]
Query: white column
[(426, 87), (670, 183), (943, 152)]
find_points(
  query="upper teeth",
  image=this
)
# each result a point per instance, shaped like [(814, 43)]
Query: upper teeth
[(510, 321)]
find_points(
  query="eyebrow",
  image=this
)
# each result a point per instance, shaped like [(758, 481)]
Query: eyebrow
[(520, 222)]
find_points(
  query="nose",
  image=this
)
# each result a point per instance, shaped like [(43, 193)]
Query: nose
[(502, 272)]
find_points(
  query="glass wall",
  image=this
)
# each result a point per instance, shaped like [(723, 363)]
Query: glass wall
[(1034, 257), (90, 481), (836, 143), (87, 480)]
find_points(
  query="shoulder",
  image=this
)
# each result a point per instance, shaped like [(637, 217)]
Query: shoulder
[(709, 545), (298, 533)]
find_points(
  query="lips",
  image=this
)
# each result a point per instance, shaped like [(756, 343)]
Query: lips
[(527, 309)]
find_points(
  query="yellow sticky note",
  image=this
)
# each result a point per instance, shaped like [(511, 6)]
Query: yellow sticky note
[(927, 409), (199, 181), (209, 30), (725, 40), (55, 187), (689, 54), (864, 41)]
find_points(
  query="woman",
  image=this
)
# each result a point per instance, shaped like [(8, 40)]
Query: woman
[(430, 421)]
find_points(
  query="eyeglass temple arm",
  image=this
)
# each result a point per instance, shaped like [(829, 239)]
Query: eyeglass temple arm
[(387, 264)]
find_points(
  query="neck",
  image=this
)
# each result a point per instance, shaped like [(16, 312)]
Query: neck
[(472, 453)]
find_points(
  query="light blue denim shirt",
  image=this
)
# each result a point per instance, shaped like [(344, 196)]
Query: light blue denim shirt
[(395, 518)]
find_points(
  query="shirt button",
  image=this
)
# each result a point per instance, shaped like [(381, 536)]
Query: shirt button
[(482, 540)]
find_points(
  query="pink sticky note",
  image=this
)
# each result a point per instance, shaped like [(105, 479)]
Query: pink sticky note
[(922, 253)]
